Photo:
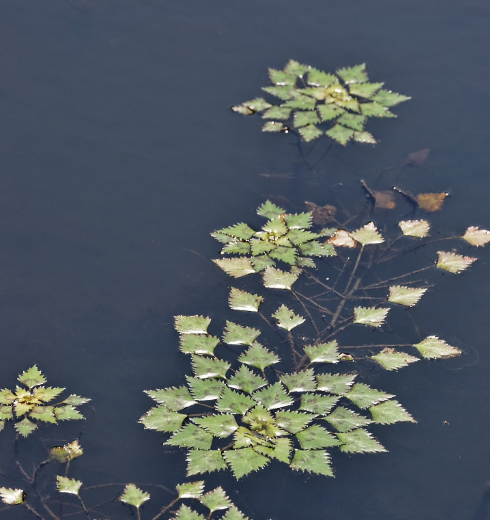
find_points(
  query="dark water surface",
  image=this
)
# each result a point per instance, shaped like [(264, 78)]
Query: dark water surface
[(119, 154)]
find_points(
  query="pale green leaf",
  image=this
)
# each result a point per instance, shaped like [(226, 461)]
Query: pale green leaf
[(48, 394), (134, 496), (75, 400), (277, 279), (241, 231), (273, 396), (305, 262), (305, 118), (191, 436), (216, 500), (244, 301), (433, 348), (367, 235), (314, 248), (328, 112), (408, 296), (355, 74), (354, 121), (257, 104), (205, 368), (32, 377), (375, 109), (388, 98), (303, 381), (275, 227), (317, 403), (192, 324), (365, 90), (235, 334), (202, 344), (43, 413), (173, 399), (220, 425), (390, 412), (344, 420), (310, 132), (477, 237), (364, 137), (186, 513), (259, 357), (453, 262), (234, 402), (370, 316), (274, 126), (204, 461), (313, 461), (244, 461), (222, 237), (2, 425), (364, 396), (7, 397), (302, 102), (295, 68), (281, 450), (281, 113), (415, 228), (162, 420), (259, 247), (236, 248), (323, 353), (390, 359), (25, 427), (67, 413), (6, 412), (287, 319), (315, 437), (246, 380), (280, 77), (340, 133), (234, 514), (236, 267), (270, 210), (205, 389), (242, 109), (299, 236), (12, 497), (318, 78), (190, 489), (300, 221), (293, 422), (68, 485), (359, 441), (284, 254), (338, 384)]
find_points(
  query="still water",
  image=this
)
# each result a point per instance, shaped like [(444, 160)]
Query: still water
[(118, 156)]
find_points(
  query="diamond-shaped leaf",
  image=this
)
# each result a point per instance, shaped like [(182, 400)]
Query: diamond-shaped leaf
[(303, 381), (344, 420), (355, 74), (174, 399), (338, 384), (235, 267), (365, 90), (320, 79), (280, 77), (273, 396), (25, 427), (186, 513), (408, 296), (245, 460), (220, 425), (32, 377), (192, 324), (323, 353), (314, 248), (6, 412), (375, 109), (477, 237), (295, 68), (257, 104), (68, 485), (315, 437), (302, 102), (259, 357), (12, 497), (310, 132), (317, 403), (359, 441), (365, 137), (433, 348), (415, 228), (48, 394), (274, 126), (340, 133), (281, 450), (287, 319), (372, 316), (190, 489), (244, 301), (7, 397), (236, 248), (235, 334), (354, 121), (388, 98), (216, 500), (285, 254), (305, 118), (270, 210), (209, 367), (293, 422), (390, 412), (241, 231), (234, 402), (205, 389), (453, 262), (277, 279), (328, 112), (75, 400), (390, 359), (275, 112), (234, 514), (191, 436), (364, 396), (43, 413), (367, 235), (313, 461), (134, 496), (201, 344), (161, 419), (246, 380), (204, 461)]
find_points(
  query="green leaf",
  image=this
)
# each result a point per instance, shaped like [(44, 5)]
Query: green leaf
[(364, 396), (408, 296), (244, 461), (299, 237), (216, 500), (242, 109), (295, 68), (359, 441), (270, 210), (364, 137), (67, 413), (365, 90), (277, 279), (173, 399), (134, 496), (25, 427), (340, 133), (191, 489), (7, 397), (241, 231), (259, 357), (388, 98), (48, 394), (205, 368), (370, 316), (316, 249), (318, 78), (236, 248), (205, 389), (284, 254), (328, 112), (310, 132), (273, 396), (244, 301), (344, 420), (415, 228), (222, 237), (293, 422), (186, 513), (476, 237), (281, 450), (355, 74), (257, 104), (246, 380), (32, 377), (12, 497), (75, 400), (287, 319), (453, 262), (375, 109), (300, 221), (367, 235), (305, 118), (318, 404), (303, 381), (275, 227), (234, 402), (191, 436), (338, 384), (162, 420), (390, 359), (323, 353), (316, 437), (204, 461), (433, 348), (6, 412), (280, 77), (274, 126), (63, 454), (43, 413), (354, 121), (313, 461), (302, 102), (236, 267), (198, 344), (237, 335), (220, 425), (305, 262), (281, 113), (192, 324), (260, 247), (390, 412), (68, 485)]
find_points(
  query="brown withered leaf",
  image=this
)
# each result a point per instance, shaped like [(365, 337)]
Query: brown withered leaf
[(384, 199), (431, 202), (321, 214), (417, 158), (342, 239)]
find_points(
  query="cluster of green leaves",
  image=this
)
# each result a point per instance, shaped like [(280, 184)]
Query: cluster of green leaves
[(310, 97), (28, 404)]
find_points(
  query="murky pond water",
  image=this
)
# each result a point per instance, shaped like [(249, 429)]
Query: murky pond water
[(118, 156)]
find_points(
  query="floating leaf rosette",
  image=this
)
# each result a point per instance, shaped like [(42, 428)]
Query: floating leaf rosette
[(317, 103)]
